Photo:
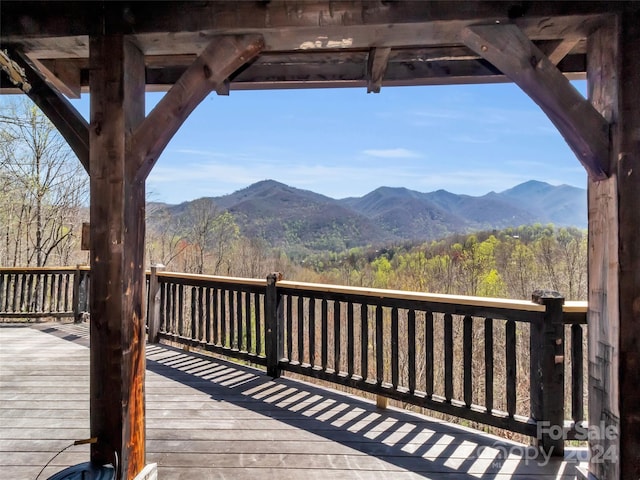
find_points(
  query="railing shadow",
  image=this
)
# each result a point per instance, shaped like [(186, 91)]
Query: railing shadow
[(409, 441)]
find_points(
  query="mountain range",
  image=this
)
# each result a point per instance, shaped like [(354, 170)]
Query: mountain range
[(288, 217)]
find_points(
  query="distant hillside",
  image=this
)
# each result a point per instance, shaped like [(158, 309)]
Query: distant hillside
[(301, 220)]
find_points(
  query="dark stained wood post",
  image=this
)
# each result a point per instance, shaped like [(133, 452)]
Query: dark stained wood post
[(274, 319), (547, 373), (117, 85), (613, 75)]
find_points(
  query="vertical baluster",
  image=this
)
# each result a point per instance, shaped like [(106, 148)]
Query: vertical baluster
[(34, 300), (336, 336), (67, 283), (239, 318), (428, 335), (247, 321), (28, 293), (16, 292), (22, 289), (488, 363), (208, 318), (577, 383), (168, 307), (59, 293), (350, 340), (174, 307), (379, 346), (180, 312), (3, 286), (289, 323), (37, 293), (395, 367), (324, 335), (223, 317), (467, 353), (171, 318), (448, 357), (163, 307), (194, 312), (312, 331), (201, 322), (364, 341), (510, 348), (46, 302), (53, 295), (411, 348), (232, 319), (301, 329), (259, 339)]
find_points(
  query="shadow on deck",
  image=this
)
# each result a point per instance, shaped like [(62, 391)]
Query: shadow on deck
[(209, 418)]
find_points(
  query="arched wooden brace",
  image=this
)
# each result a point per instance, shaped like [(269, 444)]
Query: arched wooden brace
[(123, 148), (71, 125), (583, 128)]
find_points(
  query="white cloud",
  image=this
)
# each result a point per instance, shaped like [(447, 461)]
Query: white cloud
[(392, 153)]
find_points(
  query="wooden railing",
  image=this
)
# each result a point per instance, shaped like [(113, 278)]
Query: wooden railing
[(418, 348), (44, 292), (504, 363)]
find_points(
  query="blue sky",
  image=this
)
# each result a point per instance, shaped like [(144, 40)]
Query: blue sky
[(469, 139)]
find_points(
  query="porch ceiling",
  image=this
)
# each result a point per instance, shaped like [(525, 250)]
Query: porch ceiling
[(307, 43)]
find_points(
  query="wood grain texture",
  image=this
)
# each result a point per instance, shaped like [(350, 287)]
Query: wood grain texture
[(208, 419), (603, 255), (117, 256), (628, 164)]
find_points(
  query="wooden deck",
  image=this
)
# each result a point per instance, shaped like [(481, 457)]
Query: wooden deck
[(210, 419)]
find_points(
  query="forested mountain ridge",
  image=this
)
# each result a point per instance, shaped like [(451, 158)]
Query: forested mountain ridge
[(300, 221)]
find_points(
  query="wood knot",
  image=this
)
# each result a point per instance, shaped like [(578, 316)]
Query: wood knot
[(207, 71)]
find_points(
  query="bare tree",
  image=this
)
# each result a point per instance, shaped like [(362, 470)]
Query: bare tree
[(45, 188), (212, 234)]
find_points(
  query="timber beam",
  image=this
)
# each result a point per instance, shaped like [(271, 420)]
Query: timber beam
[(71, 125), (117, 257), (558, 49), (583, 128), (208, 72), (376, 68)]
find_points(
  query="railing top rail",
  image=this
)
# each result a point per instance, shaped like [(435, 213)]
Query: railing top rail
[(486, 302), (213, 278), (570, 307), (41, 269), (575, 306)]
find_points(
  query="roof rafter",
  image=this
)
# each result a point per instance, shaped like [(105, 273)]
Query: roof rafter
[(376, 67)]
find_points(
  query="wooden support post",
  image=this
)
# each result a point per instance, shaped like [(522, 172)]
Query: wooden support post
[(581, 125), (117, 83), (613, 74), (628, 165), (547, 373), (153, 314), (274, 318)]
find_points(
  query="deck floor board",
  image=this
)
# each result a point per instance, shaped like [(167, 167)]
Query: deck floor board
[(208, 418)]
